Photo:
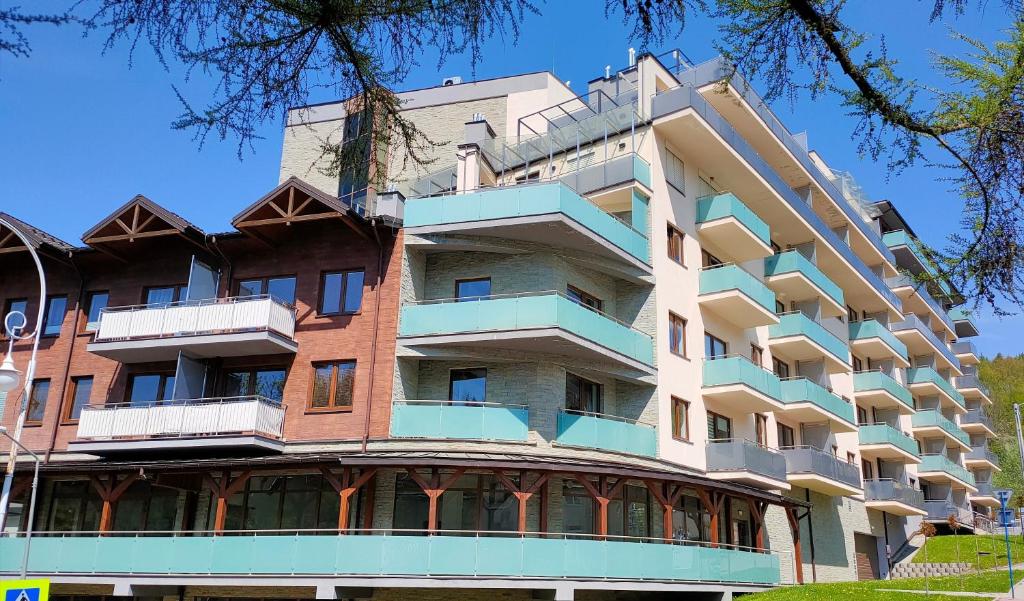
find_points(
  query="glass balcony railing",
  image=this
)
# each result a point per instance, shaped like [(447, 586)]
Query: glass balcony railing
[(913, 322), (736, 369), (606, 432), (802, 390), (906, 281), (524, 312), (796, 323), (963, 320), (885, 489), (982, 453), (723, 206), (459, 420), (722, 278), (985, 489), (940, 463), (878, 434), (792, 261), (863, 330), (942, 510), (931, 418), (922, 375), (735, 455), (969, 381), (976, 416), (866, 381), (811, 461), (964, 347), (902, 238)]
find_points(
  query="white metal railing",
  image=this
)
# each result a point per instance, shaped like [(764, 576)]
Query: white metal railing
[(195, 317), (175, 419)]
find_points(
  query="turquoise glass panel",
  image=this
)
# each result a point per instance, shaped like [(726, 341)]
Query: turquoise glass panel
[(641, 171), (499, 556), (931, 418), (872, 434), (319, 554), (920, 375), (360, 554), (794, 262), (406, 555), (738, 370), (595, 432), (805, 391), (940, 463), (732, 277), (798, 324), (722, 206), (863, 330), (876, 380)]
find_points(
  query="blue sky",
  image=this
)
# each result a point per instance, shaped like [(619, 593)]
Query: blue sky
[(83, 132)]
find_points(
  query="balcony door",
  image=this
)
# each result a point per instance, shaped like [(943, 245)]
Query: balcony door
[(583, 395), (719, 426)]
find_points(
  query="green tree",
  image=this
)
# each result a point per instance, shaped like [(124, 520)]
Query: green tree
[(1005, 378)]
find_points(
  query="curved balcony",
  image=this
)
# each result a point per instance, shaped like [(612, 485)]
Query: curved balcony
[(746, 462), (921, 340), (809, 402), (981, 456), (878, 389), (459, 420), (925, 381), (893, 497), (882, 441), (737, 382), (527, 322), (794, 277), (977, 421), (971, 387), (729, 224), (736, 296), (930, 423), (801, 338), (822, 472), (218, 327), (606, 432), (871, 340), (937, 467)]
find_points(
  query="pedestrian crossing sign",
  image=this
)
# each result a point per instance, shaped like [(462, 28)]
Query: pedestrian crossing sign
[(25, 590)]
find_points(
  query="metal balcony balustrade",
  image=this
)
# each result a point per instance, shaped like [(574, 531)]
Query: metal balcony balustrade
[(872, 380), (985, 489), (969, 381), (902, 238), (976, 416), (930, 418), (207, 417), (729, 276), (922, 375), (802, 390), (724, 205), (887, 489), (907, 281), (982, 453), (937, 462), (942, 510), (791, 261), (459, 420), (913, 322), (795, 323), (739, 455), (606, 432), (962, 319), (724, 220), (964, 347), (885, 434), (808, 460)]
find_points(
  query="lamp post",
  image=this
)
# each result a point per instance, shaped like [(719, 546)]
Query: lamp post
[(9, 376), (32, 500)]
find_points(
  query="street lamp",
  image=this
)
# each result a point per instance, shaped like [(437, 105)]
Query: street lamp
[(32, 499)]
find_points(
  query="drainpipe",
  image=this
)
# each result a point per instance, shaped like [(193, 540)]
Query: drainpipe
[(885, 531), (373, 337), (66, 378), (810, 534)]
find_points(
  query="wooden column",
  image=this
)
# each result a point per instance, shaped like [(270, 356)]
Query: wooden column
[(545, 492), (757, 509), (603, 493), (110, 490), (434, 489), (346, 487), (712, 502), (223, 488), (794, 527), (521, 492), (667, 495)]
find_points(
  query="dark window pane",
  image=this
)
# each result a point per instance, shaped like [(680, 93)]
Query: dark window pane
[(82, 391), (163, 508), (354, 292), (250, 288), (37, 404), (472, 289), (97, 302), (330, 297), (167, 393), (55, 308), (145, 389), (160, 296), (263, 506), (343, 386), (321, 387), (582, 394), (269, 383), (468, 384), (283, 289), (237, 383)]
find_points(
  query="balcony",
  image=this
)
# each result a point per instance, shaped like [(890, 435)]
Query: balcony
[(908, 254), (801, 338), (794, 277), (549, 213), (977, 421), (736, 382), (809, 402), (981, 456), (893, 497), (921, 340), (736, 296), (941, 510), (938, 467), (456, 420), (963, 322), (252, 423), (729, 224), (878, 389), (507, 555), (925, 381), (218, 327), (871, 340), (527, 322), (822, 472), (746, 462), (916, 299), (971, 387), (931, 423), (986, 495), (966, 352), (606, 433), (883, 441)]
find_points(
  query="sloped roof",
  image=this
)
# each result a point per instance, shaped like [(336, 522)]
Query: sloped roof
[(36, 237), (140, 217)]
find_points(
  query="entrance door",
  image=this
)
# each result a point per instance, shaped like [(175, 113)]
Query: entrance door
[(866, 548)]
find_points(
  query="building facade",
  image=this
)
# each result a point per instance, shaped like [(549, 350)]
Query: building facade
[(636, 341)]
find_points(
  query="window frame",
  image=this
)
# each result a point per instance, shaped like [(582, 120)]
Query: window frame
[(680, 408), (757, 355), (451, 384), (163, 385), (46, 315), (87, 308), (331, 407), (674, 234), (776, 362), (28, 406), (341, 296), (586, 299), (713, 417), (69, 398), (466, 299), (708, 336), (584, 382), (672, 319), (251, 370), (265, 284), (179, 289), (761, 429), (779, 429)]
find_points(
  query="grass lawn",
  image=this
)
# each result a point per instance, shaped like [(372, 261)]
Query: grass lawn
[(983, 551), (993, 581), (880, 590)]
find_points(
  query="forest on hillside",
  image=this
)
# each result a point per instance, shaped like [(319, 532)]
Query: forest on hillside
[(1005, 379)]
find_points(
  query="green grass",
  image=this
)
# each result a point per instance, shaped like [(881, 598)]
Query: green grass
[(983, 551), (995, 581)]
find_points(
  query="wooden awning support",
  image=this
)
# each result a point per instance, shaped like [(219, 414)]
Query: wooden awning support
[(346, 487), (603, 494), (223, 488), (757, 509), (667, 495), (522, 492), (110, 490), (794, 527), (712, 502), (434, 489)]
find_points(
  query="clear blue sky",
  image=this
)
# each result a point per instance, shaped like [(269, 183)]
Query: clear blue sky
[(83, 132)]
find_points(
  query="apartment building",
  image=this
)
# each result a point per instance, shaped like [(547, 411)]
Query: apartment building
[(640, 340)]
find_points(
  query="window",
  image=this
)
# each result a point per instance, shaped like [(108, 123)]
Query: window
[(78, 397), (341, 292), (583, 298), (858, 365), (533, 176), (281, 288), (708, 260), (862, 415), (144, 389), (675, 245), (761, 429), (264, 382), (95, 303), (332, 385), (785, 433), (714, 346), (781, 368), (719, 427), (867, 469), (37, 402), (851, 313), (53, 319), (146, 507), (680, 419), (583, 395), (270, 502), (675, 174), (851, 458), (74, 506), (757, 355), (14, 304), (163, 295), (677, 334), (780, 307), (474, 289), (468, 384)]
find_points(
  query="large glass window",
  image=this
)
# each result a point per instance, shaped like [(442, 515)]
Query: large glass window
[(150, 388), (146, 507), (96, 302), (583, 298), (281, 288), (53, 319), (785, 433), (37, 402), (630, 514), (476, 502), (332, 385), (81, 389), (582, 394), (689, 520), (719, 427), (468, 384), (163, 295), (286, 503), (341, 292), (265, 382), (74, 506), (676, 334), (475, 289), (578, 511), (714, 346)]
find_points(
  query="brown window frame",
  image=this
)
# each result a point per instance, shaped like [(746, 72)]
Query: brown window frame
[(680, 407), (331, 407), (587, 300), (761, 429), (46, 315), (851, 458), (672, 317), (264, 282), (69, 399), (756, 355), (178, 290), (676, 237), (341, 297), (779, 429), (164, 374), (725, 345), (713, 415), (775, 367), (28, 406), (251, 370)]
